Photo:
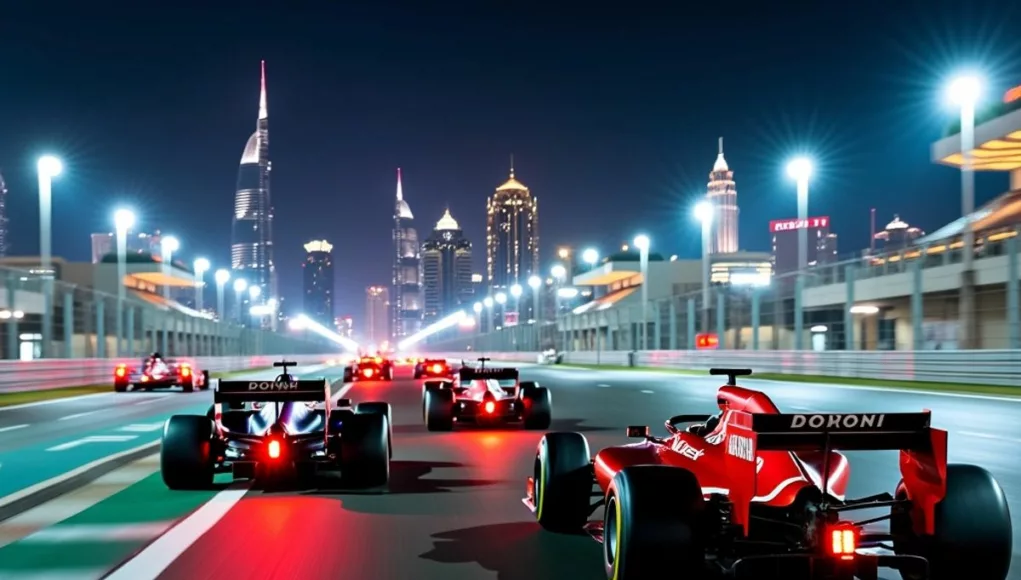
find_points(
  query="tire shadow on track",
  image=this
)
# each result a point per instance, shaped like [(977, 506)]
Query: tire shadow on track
[(555, 425), (406, 478), (519, 551)]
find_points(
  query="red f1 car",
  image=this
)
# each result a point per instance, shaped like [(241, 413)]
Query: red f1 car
[(155, 372), (741, 495)]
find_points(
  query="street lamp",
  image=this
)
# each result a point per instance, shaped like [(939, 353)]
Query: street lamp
[(590, 257), (516, 291), (559, 272), (800, 170), (240, 285), (222, 276), (534, 282), (123, 220), (642, 243), (501, 300), (201, 266), (168, 246), (254, 292), (704, 214), (964, 92), (48, 167)]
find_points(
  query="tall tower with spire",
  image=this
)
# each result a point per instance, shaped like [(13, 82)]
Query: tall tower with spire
[(252, 232), (722, 194), (512, 234), (406, 301)]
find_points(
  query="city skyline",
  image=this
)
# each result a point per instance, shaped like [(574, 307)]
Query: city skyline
[(406, 286), (318, 282), (446, 269)]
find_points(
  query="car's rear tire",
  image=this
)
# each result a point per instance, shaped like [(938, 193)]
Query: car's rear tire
[(120, 387), (439, 409), (364, 456), (538, 409), (652, 523), (562, 482), (186, 454), (205, 380), (348, 375), (384, 409), (189, 385), (972, 524)]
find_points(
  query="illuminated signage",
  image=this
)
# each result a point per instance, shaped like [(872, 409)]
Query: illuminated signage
[(706, 341), (796, 224)]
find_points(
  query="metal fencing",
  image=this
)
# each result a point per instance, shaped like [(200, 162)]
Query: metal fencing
[(900, 301), (43, 318)]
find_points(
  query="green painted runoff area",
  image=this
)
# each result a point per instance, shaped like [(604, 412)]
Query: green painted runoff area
[(144, 503)]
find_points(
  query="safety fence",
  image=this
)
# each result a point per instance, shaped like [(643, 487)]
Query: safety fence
[(974, 367), (59, 373)]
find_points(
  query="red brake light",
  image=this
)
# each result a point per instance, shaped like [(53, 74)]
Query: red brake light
[(145, 378), (437, 368), (490, 406), (379, 359), (367, 372), (185, 371), (843, 541), (274, 449), (121, 371)]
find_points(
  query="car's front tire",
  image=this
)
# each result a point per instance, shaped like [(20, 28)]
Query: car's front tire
[(562, 482)]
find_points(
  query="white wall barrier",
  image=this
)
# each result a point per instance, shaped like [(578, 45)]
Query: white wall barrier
[(57, 373), (967, 367)]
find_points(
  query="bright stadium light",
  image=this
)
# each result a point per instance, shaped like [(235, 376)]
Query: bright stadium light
[(222, 276), (488, 302), (202, 266), (534, 282), (590, 256), (303, 322), (558, 271), (240, 285), (123, 220), (443, 324), (704, 212), (965, 90), (800, 169), (516, 291), (477, 307), (501, 298), (641, 242), (50, 166), (171, 244)]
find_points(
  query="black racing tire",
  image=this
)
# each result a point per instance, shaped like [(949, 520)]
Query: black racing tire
[(364, 444), (439, 410), (528, 388), (211, 413), (186, 454), (384, 409), (389, 373), (652, 523), (348, 375), (539, 409), (189, 385), (121, 387), (205, 381), (972, 524), (417, 375), (562, 482)]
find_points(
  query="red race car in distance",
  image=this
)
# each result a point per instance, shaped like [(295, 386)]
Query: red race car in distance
[(155, 372), (373, 368), (485, 397), (740, 495), (434, 369)]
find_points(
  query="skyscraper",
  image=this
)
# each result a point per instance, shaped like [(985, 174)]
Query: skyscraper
[(377, 321), (4, 233), (446, 269), (722, 194), (406, 301), (318, 274), (512, 235), (251, 251)]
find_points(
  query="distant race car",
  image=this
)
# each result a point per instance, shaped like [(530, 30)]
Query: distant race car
[(277, 430), (434, 369), (370, 368), (155, 372), (740, 495), (485, 397)]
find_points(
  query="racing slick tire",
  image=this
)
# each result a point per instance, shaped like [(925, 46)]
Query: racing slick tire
[(364, 456), (205, 381), (562, 482), (348, 375), (388, 373), (120, 387), (439, 410), (972, 524), (538, 408), (384, 409), (652, 523), (186, 455)]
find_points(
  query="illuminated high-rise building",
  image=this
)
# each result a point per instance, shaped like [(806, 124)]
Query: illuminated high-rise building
[(722, 194), (898, 235), (251, 251), (377, 319), (406, 300), (512, 235), (345, 325), (317, 270), (5, 234), (446, 269)]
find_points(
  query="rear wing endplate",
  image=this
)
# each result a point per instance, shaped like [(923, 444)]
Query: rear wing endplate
[(311, 391)]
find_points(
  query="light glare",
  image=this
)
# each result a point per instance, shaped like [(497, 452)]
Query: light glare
[(222, 276), (965, 90), (800, 169), (202, 266), (642, 242), (534, 282), (50, 166), (704, 212), (123, 220), (170, 244)]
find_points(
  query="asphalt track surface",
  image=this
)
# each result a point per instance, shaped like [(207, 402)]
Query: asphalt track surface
[(453, 508)]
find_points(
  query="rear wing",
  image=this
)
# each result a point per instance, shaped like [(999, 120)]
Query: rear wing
[(470, 374), (310, 391), (923, 450)]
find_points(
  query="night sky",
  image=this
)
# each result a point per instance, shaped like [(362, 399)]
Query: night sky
[(612, 116)]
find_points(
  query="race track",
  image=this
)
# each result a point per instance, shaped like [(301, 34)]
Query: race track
[(453, 510)]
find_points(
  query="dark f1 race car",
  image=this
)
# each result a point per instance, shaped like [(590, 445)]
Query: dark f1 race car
[(277, 430), (485, 397), (434, 369), (371, 368), (740, 495), (155, 372)]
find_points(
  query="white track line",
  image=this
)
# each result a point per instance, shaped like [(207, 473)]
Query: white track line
[(12, 428), (23, 493), (52, 401), (151, 562), (77, 415)]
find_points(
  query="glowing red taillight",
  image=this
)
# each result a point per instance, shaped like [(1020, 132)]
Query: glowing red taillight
[(121, 371), (145, 378), (367, 373), (437, 368), (185, 371), (273, 449), (378, 360), (490, 406), (843, 541)]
